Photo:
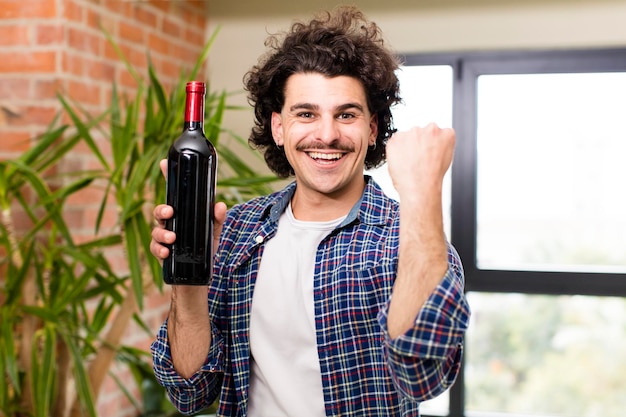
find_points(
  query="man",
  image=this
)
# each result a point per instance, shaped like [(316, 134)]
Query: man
[(327, 298)]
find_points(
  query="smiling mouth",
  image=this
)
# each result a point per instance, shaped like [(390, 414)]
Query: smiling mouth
[(325, 158)]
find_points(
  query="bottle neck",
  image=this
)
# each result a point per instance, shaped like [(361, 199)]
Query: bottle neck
[(194, 111), (193, 126)]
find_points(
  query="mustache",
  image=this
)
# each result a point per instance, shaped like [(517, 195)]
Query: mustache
[(333, 146)]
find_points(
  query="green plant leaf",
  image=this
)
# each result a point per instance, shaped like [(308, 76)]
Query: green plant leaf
[(78, 286), (132, 245), (204, 54), (101, 242), (115, 122), (142, 324), (43, 144), (9, 365), (213, 126), (157, 89), (81, 378), (145, 236), (18, 273), (44, 372), (247, 181), (106, 288), (235, 163), (122, 386), (84, 131), (68, 190), (72, 293), (101, 315), (135, 186), (42, 190), (149, 119), (102, 208), (121, 55), (42, 312)]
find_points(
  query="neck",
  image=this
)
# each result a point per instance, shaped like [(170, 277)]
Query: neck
[(308, 205)]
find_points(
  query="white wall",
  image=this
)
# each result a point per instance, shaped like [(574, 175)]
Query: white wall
[(450, 27)]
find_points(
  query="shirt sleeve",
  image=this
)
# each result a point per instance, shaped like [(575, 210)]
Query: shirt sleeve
[(197, 393), (425, 360)]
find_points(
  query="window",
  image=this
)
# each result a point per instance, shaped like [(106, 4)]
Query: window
[(426, 93), (545, 355), (550, 193), (537, 214)]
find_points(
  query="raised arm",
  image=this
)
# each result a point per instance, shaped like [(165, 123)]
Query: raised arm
[(418, 160)]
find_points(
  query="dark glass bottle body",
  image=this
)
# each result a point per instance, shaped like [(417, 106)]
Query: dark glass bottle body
[(191, 179)]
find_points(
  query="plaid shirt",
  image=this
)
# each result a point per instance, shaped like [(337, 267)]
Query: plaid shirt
[(364, 372)]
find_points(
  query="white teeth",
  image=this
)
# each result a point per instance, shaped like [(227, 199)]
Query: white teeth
[(326, 156)]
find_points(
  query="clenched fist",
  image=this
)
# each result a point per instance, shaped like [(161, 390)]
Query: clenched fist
[(419, 158)]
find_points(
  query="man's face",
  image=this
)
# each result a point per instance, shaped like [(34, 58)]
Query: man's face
[(325, 127)]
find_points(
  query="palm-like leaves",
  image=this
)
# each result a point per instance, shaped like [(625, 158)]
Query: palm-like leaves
[(58, 296)]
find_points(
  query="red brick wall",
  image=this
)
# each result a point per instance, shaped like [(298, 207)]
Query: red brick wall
[(58, 45), (46, 45)]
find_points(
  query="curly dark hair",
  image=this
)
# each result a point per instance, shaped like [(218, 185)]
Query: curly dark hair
[(333, 44)]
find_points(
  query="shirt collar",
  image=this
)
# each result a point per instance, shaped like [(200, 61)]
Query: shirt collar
[(373, 208)]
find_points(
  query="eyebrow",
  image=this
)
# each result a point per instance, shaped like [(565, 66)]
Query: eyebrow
[(311, 106)]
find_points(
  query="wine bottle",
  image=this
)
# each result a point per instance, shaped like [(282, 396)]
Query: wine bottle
[(191, 179)]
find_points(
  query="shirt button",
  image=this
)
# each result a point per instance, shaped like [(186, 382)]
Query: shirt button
[(258, 239)]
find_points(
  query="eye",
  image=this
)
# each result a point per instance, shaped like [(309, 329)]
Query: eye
[(345, 116), (305, 114)]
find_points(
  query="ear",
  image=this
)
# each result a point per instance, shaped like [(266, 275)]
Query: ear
[(373, 130), (277, 128)]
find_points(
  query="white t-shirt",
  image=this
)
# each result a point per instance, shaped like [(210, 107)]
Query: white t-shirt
[(285, 376)]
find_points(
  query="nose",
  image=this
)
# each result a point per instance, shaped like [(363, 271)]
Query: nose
[(327, 130)]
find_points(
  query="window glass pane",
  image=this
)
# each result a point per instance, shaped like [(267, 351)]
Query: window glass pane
[(427, 97), (551, 171), (546, 356)]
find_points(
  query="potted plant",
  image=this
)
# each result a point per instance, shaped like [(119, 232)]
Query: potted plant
[(63, 305)]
